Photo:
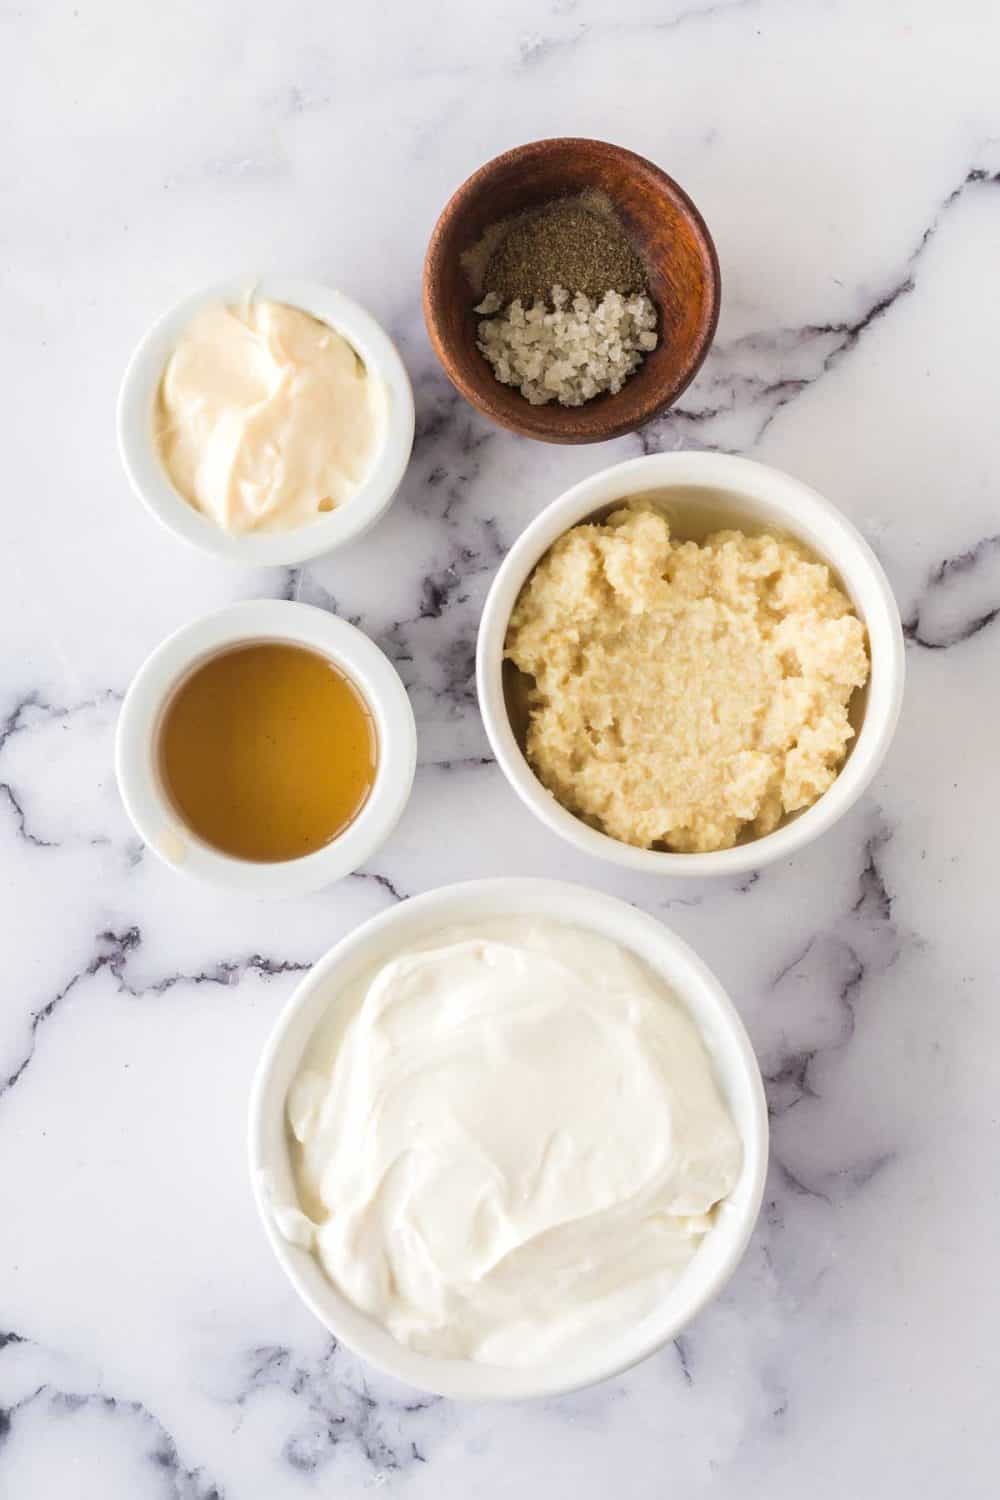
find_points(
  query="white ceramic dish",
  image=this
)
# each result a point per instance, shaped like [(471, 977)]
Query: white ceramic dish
[(149, 478), (273, 620), (737, 491), (380, 938)]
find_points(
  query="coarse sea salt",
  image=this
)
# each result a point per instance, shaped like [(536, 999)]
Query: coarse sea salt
[(569, 352)]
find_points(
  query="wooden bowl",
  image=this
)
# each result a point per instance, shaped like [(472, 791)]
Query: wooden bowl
[(667, 231)]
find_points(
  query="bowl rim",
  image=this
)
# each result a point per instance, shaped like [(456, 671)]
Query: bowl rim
[(159, 825), (789, 505), (149, 479), (695, 987), (533, 423)]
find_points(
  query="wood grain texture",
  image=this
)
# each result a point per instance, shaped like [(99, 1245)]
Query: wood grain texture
[(669, 234)]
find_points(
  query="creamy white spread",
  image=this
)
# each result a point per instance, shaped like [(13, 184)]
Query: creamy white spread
[(265, 417), (510, 1143)]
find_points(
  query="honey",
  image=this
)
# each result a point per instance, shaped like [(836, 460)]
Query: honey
[(267, 751)]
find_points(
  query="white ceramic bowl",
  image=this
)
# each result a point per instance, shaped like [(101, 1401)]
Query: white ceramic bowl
[(149, 478), (382, 937), (733, 491), (146, 801)]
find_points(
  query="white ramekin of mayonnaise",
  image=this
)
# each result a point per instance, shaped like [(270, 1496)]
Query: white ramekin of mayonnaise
[(266, 420), (508, 1138)]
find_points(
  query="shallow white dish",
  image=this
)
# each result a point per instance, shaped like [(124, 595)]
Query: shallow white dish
[(146, 801), (740, 491), (381, 937), (149, 478)]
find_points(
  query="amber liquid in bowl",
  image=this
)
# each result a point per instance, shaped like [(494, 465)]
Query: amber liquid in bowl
[(267, 751)]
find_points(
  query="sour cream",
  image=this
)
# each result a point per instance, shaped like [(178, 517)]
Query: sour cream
[(266, 418), (510, 1143)]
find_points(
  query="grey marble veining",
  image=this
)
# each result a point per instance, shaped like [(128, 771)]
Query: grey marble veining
[(845, 156)]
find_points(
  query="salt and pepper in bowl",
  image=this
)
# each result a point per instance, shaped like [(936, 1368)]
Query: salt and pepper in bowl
[(671, 276)]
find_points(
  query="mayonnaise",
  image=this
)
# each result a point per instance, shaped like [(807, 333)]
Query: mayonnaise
[(510, 1141), (266, 418)]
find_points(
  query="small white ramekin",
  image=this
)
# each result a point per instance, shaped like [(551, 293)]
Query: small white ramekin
[(386, 935), (739, 491), (149, 478), (142, 791)]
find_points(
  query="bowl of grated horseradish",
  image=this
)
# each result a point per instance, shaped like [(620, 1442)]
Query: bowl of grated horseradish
[(266, 420), (690, 664), (508, 1138)]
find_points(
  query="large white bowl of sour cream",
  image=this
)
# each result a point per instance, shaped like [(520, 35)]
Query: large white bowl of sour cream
[(508, 1138)]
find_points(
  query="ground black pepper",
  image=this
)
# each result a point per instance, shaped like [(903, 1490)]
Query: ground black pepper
[(565, 243)]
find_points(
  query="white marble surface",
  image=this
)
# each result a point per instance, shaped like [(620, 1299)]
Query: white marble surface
[(846, 158)]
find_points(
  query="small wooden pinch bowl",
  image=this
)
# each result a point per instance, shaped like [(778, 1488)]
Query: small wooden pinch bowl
[(668, 233)]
